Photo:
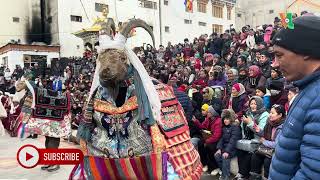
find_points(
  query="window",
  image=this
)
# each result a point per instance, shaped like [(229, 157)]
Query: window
[(148, 4), (187, 21), (166, 2), (49, 19), (5, 61), (202, 23), (167, 29), (271, 11), (100, 7), (217, 11), (16, 19), (217, 28), (229, 13), (202, 7), (239, 15), (76, 18)]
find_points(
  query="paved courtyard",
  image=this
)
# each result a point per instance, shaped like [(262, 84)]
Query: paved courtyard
[(10, 169)]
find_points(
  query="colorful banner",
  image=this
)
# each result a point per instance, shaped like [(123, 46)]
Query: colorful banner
[(189, 5)]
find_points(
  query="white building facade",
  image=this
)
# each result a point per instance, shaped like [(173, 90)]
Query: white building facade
[(60, 18), (258, 12)]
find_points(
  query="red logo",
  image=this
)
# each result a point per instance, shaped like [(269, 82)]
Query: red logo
[(29, 156)]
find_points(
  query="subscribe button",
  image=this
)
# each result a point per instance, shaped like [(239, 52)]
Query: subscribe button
[(29, 156)]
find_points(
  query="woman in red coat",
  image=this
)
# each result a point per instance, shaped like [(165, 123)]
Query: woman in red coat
[(211, 129)]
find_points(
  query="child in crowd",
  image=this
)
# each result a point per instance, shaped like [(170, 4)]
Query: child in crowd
[(265, 95), (231, 133)]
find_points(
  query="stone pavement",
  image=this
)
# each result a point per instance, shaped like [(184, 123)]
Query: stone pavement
[(10, 169)]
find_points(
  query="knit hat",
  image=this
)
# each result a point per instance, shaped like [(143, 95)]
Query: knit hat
[(205, 107), (276, 85), (262, 89), (237, 87), (212, 111), (303, 39)]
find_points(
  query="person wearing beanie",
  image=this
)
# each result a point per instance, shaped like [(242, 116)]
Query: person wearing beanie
[(231, 133), (265, 95), (256, 116), (265, 64), (238, 99), (298, 147), (255, 79), (278, 94), (276, 75), (211, 129)]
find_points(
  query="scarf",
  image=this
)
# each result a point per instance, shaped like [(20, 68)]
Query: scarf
[(267, 35), (268, 128)]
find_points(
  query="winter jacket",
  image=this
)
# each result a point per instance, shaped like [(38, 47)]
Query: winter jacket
[(298, 148), (269, 80), (266, 69), (261, 82), (272, 143), (239, 104), (230, 135), (280, 99), (261, 122), (214, 126), (266, 102)]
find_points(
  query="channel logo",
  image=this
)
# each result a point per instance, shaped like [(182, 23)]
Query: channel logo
[(29, 156)]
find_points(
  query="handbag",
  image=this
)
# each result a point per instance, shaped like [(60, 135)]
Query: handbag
[(247, 145), (265, 151)]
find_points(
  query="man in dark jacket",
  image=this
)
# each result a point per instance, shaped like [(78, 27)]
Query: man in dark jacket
[(298, 146), (265, 64), (216, 44)]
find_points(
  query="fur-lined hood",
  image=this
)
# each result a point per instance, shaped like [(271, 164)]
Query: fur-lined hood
[(230, 114)]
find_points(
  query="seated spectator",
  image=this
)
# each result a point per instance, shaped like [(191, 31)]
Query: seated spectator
[(195, 133), (238, 100), (268, 141), (256, 116), (217, 61), (211, 96), (232, 78), (217, 77), (241, 62), (276, 75), (265, 64), (211, 130), (278, 94), (292, 94), (202, 81), (231, 133), (243, 76), (256, 79), (265, 95)]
